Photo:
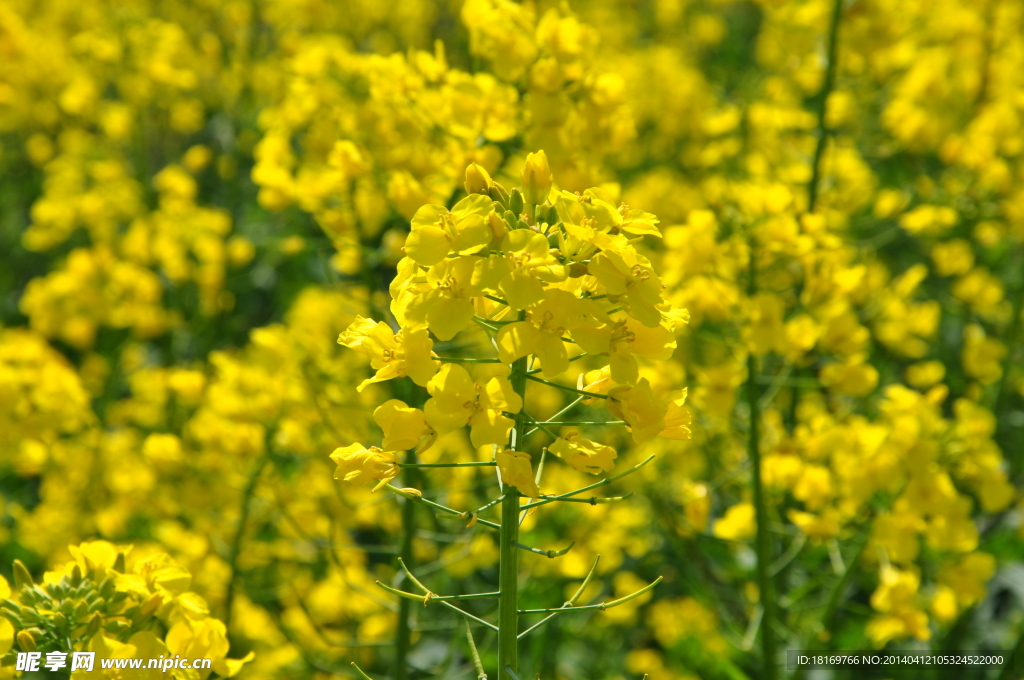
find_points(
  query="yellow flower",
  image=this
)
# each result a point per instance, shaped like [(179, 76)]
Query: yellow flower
[(631, 276), (982, 355), (924, 374), (896, 599), (953, 257), (967, 576), (677, 419), (541, 334), (854, 376), (737, 524), (623, 340), (205, 639), (583, 454), (817, 527), (356, 462), (404, 428), (457, 400), (394, 356), (446, 306), (436, 231), (637, 405), (515, 469)]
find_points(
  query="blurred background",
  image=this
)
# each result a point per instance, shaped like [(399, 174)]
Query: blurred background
[(197, 197)]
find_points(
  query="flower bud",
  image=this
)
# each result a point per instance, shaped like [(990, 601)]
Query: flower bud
[(498, 227), (477, 180), (498, 194), (536, 178), (22, 577), (515, 204), (26, 641)]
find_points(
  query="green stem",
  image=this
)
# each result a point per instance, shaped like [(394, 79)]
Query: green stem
[(835, 597), (236, 541), (508, 559), (763, 545), (477, 664), (403, 636), (822, 102)]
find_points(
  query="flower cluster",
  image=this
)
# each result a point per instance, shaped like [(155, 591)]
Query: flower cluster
[(97, 603)]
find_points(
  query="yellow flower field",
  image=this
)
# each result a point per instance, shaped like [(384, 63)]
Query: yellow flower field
[(463, 338)]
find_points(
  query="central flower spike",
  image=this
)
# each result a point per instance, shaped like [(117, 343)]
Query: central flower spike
[(534, 273), (537, 273)]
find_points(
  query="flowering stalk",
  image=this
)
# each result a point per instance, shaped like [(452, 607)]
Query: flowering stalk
[(538, 271), (762, 539), (508, 554)]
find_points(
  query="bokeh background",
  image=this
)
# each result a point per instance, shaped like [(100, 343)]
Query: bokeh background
[(197, 197)]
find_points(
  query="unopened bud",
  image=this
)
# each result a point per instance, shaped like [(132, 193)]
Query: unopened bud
[(498, 193), (515, 203), (26, 641), (22, 577), (477, 180), (498, 226), (575, 270), (536, 178), (93, 626)]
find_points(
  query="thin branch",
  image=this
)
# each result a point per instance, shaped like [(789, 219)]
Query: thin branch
[(567, 388), (489, 463), (562, 412), (550, 554), (604, 482), (571, 602), (602, 606)]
